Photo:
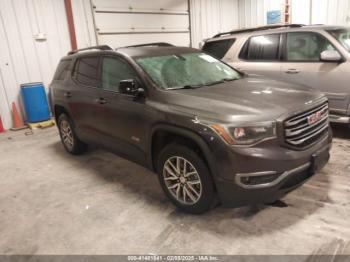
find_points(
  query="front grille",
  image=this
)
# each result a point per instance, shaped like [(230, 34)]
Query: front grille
[(307, 127)]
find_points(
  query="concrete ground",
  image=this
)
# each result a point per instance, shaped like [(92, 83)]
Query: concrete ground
[(55, 203)]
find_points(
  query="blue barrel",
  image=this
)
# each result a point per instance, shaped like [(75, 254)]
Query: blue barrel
[(35, 102)]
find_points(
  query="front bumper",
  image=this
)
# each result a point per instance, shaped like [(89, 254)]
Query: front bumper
[(283, 168)]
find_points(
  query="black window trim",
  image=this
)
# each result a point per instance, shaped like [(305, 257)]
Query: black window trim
[(284, 48), (76, 67), (247, 43)]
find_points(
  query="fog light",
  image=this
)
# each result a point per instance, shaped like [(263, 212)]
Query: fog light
[(257, 180)]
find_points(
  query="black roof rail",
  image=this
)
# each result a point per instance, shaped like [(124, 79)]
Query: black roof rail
[(150, 44), (98, 47), (267, 27)]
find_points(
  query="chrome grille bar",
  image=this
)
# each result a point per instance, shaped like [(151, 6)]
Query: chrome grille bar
[(305, 127), (300, 131), (299, 141), (297, 119)]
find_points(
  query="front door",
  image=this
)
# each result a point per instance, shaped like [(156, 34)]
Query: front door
[(303, 66), (122, 118)]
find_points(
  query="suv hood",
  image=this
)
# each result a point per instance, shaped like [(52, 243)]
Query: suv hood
[(244, 100)]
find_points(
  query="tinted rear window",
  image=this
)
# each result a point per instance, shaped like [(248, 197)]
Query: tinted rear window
[(218, 48), (87, 71), (62, 70), (264, 48)]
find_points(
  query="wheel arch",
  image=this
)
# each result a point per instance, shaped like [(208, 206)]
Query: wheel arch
[(58, 110), (164, 134)]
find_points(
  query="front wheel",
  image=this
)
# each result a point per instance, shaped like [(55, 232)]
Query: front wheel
[(186, 179)]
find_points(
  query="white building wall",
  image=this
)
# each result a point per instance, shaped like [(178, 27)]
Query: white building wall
[(211, 17), (333, 12), (83, 23), (22, 58), (254, 12)]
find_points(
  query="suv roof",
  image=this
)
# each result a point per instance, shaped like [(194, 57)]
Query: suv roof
[(134, 51), (273, 28)]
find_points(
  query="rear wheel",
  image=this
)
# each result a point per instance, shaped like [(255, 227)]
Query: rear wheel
[(68, 137), (185, 179)]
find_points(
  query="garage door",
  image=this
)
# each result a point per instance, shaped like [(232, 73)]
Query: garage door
[(121, 23)]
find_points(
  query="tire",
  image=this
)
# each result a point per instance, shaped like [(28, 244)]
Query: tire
[(185, 192), (68, 136)]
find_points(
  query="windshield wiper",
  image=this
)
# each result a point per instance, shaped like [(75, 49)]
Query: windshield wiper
[(185, 87), (191, 86), (201, 85), (220, 81)]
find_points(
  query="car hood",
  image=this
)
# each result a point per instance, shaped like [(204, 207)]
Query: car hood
[(244, 100)]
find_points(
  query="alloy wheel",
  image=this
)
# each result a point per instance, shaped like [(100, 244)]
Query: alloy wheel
[(67, 135), (182, 180)]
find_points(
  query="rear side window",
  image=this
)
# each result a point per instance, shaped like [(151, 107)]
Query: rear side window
[(263, 48), (62, 70), (87, 71), (218, 48)]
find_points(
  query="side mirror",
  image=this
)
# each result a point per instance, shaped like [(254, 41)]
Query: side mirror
[(331, 56), (130, 87)]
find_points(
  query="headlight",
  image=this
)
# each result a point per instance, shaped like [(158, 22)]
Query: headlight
[(245, 135)]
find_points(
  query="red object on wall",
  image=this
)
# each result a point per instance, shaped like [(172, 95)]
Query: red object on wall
[(1, 126), (70, 20)]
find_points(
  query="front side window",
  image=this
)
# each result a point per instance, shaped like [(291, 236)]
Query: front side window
[(343, 37), (263, 48), (306, 46), (87, 71), (218, 48), (186, 70), (115, 70)]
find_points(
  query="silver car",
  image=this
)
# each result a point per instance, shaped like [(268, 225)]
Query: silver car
[(317, 56)]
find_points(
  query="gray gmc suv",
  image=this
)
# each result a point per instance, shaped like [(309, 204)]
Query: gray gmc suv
[(317, 56), (211, 133)]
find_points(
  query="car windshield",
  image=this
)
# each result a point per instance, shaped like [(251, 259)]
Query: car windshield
[(343, 37), (190, 70)]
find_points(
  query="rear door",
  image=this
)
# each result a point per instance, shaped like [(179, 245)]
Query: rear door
[(302, 65), (82, 96), (261, 55)]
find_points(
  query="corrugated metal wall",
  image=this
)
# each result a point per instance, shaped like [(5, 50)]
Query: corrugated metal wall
[(83, 22), (22, 58), (211, 17), (335, 12), (254, 12)]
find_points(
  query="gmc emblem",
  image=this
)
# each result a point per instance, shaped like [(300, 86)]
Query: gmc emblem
[(314, 117)]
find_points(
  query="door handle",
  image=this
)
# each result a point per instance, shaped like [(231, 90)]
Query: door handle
[(101, 101), (292, 71), (68, 94)]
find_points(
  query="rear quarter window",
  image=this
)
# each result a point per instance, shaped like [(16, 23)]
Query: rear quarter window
[(218, 48), (62, 70)]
